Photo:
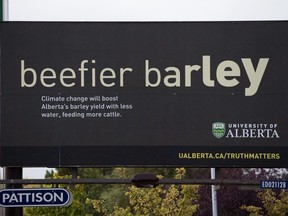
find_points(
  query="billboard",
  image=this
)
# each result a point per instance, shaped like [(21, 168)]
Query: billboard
[(210, 94)]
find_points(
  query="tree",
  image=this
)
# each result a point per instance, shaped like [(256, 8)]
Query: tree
[(113, 200), (110, 194), (75, 209), (274, 204), (230, 198), (175, 200)]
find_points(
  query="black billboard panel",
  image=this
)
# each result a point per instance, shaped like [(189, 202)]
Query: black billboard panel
[(211, 94)]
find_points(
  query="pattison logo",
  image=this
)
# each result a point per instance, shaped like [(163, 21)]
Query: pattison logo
[(218, 129)]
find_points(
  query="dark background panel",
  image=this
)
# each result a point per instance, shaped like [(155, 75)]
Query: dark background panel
[(91, 156), (17, 156), (161, 116)]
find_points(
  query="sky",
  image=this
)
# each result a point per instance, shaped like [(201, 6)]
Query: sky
[(141, 10), (146, 10), (30, 173)]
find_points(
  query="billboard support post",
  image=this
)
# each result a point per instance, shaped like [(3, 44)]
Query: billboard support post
[(13, 173)]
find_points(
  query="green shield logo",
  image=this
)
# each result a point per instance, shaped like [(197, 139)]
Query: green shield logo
[(218, 129)]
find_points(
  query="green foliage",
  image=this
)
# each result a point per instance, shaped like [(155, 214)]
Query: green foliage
[(253, 210), (112, 195), (273, 204), (92, 190), (75, 209), (163, 200)]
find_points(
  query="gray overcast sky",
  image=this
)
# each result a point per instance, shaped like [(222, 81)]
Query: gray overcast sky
[(147, 10), (142, 10)]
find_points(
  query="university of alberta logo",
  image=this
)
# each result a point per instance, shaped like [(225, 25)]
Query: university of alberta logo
[(218, 129)]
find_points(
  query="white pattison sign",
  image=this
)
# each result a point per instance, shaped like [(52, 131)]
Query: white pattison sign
[(35, 197)]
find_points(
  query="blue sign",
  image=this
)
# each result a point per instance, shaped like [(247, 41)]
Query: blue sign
[(34, 197), (271, 184)]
